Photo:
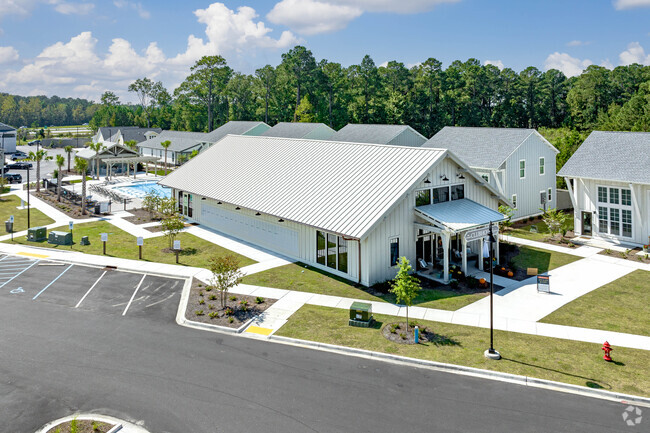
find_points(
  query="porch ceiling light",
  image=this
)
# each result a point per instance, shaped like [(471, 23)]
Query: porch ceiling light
[(237, 208), (444, 178)]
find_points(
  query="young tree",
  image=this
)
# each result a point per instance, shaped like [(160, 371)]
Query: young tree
[(37, 157), (81, 165), (165, 145), (226, 274), (172, 226), (508, 212), (150, 202), (68, 151), (405, 286), (554, 220), (167, 206), (266, 76), (305, 111), (60, 161)]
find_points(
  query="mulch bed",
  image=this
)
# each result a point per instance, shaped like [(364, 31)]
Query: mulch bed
[(141, 216), (220, 316), (66, 206), (507, 252), (83, 426), (631, 255), (397, 333), (154, 229)]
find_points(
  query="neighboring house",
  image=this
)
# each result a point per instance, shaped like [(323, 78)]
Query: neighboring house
[(8, 138), (395, 135), (237, 127), (182, 143), (122, 134), (313, 131), (340, 207), (519, 163), (113, 159), (608, 179)]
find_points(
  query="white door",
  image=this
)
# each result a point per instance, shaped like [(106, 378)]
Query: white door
[(251, 229)]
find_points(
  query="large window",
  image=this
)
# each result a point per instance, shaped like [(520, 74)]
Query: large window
[(602, 194), (180, 202), (441, 194), (613, 195), (541, 166), (423, 197), (626, 197), (457, 192), (394, 251), (603, 220), (522, 169), (626, 219), (614, 211), (331, 251), (614, 222), (514, 201)]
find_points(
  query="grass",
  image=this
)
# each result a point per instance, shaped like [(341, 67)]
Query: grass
[(79, 180), (8, 206), (195, 251), (542, 231), (543, 260), (620, 306), (530, 355), (303, 278)]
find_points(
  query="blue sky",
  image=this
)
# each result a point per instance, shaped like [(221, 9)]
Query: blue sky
[(84, 47)]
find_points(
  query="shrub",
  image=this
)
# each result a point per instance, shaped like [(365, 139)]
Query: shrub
[(211, 306), (244, 308), (608, 251), (393, 328), (259, 300), (231, 319), (232, 298), (74, 428), (243, 302), (229, 311), (472, 282), (201, 301), (454, 284), (201, 293), (403, 335), (200, 285), (213, 314), (212, 297), (208, 288), (96, 425), (199, 312)]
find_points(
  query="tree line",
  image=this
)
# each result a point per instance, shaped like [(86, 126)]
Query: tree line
[(36, 111)]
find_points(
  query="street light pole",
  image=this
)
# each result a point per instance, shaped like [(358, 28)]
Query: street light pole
[(28, 221), (491, 353)]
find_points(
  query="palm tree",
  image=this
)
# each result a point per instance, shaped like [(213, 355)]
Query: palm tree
[(38, 156), (96, 147), (68, 150), (165, 145), (81, 165), (60, 161)]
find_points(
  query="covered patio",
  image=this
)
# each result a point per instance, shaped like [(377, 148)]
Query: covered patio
[(128, 160), (454, 231)]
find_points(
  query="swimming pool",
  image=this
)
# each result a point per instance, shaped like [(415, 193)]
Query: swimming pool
[(140, 189)]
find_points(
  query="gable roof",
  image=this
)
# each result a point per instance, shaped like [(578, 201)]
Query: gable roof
[(112, 133), (345, 188), (180, 140), (110, 150), (613, 156), (6, 128), (377, 134), (482, 147), (299, 130), (236, 127)]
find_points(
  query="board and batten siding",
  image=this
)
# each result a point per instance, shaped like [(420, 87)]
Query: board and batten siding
[(586, 191), (528, 189)]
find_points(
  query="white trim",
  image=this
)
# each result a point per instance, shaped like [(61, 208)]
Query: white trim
[(514, 200), (635, 203), (569, 188), (542, 166), (519, 168)]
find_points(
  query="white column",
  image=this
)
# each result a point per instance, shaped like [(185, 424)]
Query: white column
[(464, 244), (445, 249)]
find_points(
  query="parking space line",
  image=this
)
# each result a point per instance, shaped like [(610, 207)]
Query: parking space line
[(8, 281), (134, 293), (52, 282), (89, 290)]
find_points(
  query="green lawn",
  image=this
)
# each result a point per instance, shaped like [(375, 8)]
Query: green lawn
[(530, 355), (542, 230), (300, 277), (543, 260), (8, 206), (620, 306), (196, 251), (79, 180)]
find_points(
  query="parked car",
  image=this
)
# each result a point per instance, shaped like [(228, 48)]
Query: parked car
[(13, 177), (18, 155), (19, 166), (34, 142)]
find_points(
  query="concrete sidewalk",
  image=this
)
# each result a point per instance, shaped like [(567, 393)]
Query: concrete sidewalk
[(582, 251)]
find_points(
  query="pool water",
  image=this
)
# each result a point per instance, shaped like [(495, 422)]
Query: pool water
[(140, 189)]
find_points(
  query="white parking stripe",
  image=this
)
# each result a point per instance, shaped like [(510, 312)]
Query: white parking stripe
[(133, 296), (89, 290), (52, 282), (8, 281)]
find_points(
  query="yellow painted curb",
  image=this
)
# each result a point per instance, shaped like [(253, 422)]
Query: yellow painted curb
[(259, 330), (40, 256)]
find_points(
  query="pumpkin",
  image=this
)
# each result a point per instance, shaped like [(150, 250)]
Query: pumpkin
[(510, 274), (503, 269), (482, 281)]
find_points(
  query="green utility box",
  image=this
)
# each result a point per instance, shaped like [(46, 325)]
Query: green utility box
[(37, 234), (60, 238), (84, 240), (360, 315)]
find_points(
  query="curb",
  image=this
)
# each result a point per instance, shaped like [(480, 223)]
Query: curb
[(119, 425), (467, 371)]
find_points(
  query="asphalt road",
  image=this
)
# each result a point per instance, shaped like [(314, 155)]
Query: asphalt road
[(57, 359)]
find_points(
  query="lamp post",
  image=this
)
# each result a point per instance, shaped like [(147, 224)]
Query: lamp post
[(28, 221), (491, 353)]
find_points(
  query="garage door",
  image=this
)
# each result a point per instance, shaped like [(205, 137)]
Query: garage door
[(251, 229)]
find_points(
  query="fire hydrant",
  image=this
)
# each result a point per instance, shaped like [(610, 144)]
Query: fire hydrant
[(608, 349)]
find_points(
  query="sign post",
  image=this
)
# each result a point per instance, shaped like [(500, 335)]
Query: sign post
[(70, 225), (177, 249), (104, 240), (140, 242), (11, 220), (543, 284)]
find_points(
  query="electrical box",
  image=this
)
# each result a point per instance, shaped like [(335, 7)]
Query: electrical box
[(60, 238), (360, 314), (37, 234)]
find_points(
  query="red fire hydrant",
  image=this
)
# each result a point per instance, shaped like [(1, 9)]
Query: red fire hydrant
[(608, 349)]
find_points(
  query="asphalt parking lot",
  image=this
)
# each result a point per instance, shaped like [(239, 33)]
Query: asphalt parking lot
[(103, 290)]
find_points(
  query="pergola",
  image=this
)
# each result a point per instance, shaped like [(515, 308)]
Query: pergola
[(128, 160)]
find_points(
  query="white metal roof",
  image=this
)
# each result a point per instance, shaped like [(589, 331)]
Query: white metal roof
[(345, 188), (459, 215)]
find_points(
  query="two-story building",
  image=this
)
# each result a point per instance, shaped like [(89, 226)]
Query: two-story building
[(8, 138)]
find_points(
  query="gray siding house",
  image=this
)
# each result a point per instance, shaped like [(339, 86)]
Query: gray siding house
[(519, 163), (394, 135), (8, 138), (608, 179), (312, 131), (182, 143)]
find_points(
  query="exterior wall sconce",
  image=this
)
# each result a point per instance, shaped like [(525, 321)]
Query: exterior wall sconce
[(203, 198), (427, 180), (460, 176), (257, 214), (280, 220), (237, 208), (219, 202), (444, 178)]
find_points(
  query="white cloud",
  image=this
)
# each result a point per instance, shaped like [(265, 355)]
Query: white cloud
[(631, 4), (67, 8), (497, 63), (142, 12), (577, 43), (310, 17), (634, 54), (8, 55), (570, 66), (607, 64)]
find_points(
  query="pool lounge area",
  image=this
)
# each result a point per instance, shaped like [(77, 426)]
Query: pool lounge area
[(140, 188)]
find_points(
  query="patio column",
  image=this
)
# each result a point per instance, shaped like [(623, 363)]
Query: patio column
[(464, 252), (480, 254), (445, 249)]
